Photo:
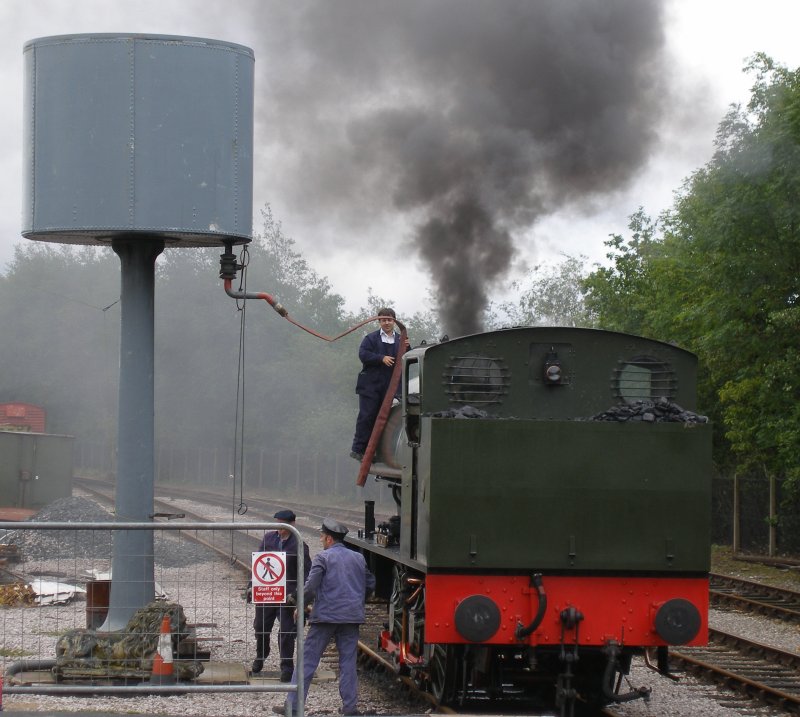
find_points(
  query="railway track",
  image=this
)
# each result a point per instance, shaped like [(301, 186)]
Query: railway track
[(265, 507), (756, 670), (761, 672), (758, 598), (173, 503)]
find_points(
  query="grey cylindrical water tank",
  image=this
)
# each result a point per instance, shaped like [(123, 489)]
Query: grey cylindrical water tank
[(138, 134)]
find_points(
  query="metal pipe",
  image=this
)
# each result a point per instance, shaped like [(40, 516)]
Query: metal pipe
[(522, 632), (28, 665), (638, 693), (269, 298)]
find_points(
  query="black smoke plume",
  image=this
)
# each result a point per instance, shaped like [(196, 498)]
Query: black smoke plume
[(472, 117)]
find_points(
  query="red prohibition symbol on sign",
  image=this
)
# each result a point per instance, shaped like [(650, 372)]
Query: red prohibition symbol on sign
[(269, 569)]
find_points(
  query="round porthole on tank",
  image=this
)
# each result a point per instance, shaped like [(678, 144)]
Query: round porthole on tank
[(643, 378)]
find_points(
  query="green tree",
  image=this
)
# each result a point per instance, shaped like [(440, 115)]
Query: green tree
[(619, 297), (722, 279), (548, 296), (291, 386), (739, 223), (422, 326), (60, 320), (60, 313)]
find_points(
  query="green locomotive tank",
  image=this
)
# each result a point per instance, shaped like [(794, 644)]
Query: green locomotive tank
[(541, 473)]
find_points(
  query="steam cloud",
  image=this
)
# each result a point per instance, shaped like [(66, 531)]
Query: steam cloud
[(473, 117)]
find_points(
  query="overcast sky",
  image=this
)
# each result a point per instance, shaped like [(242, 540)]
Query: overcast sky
[(363, 107)]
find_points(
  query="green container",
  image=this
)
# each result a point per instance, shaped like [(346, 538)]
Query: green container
[(35, 468)]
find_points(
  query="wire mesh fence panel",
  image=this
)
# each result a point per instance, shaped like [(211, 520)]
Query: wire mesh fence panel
[(188, 625)]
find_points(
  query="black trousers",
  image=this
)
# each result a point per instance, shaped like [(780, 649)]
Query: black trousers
[(368, 408), (287, 635)]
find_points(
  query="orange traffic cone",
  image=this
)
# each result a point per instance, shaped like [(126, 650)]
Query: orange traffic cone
[(162, 661)]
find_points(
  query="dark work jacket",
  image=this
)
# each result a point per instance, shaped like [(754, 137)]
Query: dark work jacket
[(271, 542), (374, 377)]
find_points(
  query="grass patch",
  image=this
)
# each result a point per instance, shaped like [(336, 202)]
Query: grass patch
[(724, 562), (15, 652)]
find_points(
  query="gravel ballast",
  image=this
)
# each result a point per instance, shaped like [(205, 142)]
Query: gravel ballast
[(210, 590)]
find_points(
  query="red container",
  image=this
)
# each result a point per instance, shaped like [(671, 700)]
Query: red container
[(22, 417)]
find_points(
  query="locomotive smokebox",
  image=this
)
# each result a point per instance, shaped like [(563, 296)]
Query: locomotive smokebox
[(128, 134)]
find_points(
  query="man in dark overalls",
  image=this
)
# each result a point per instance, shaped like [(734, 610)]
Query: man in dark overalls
[(377, 353), (336, 588), (280, 541)]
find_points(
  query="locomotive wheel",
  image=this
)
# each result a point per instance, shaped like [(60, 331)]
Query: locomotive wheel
[(443, 673)]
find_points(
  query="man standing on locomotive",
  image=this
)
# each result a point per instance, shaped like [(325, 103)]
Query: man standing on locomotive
[(377, 353), (337, 587), (285, 541)]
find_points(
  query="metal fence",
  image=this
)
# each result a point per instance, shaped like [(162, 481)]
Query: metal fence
[(284, 472), (288, 473), (754, 510), (52, 605)]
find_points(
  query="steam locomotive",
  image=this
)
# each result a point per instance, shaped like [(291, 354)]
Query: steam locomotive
[(553, 514)]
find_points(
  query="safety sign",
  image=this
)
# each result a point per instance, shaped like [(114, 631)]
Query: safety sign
[(269, 577)]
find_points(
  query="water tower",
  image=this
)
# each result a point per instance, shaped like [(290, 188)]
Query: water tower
[(137, 142)]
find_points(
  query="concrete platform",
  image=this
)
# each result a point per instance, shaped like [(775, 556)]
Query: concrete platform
[(321, 675), (214, 673)]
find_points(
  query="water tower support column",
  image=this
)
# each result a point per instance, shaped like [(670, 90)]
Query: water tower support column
[(133, 581)]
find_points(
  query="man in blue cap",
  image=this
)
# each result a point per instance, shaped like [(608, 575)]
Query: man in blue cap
[(337, 585), (285, 541)]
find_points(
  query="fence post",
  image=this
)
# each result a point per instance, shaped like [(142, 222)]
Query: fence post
[(773, 515), (736, 534)]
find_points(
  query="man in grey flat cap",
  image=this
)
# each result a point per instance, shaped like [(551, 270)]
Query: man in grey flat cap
[(284, 541), (337, 585)]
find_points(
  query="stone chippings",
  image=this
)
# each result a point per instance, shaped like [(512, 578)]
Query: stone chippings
[(378, 693), (169, 549), (662, 410), (63, 544)]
